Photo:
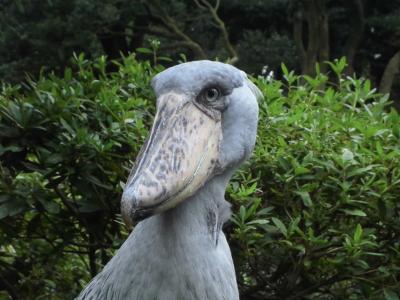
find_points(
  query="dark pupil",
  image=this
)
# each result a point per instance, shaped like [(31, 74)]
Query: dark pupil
[(212, 93)]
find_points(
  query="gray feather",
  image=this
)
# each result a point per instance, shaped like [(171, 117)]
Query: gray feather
[(183, 253)]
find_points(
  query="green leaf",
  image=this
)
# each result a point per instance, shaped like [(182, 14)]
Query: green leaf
[(278, 223), (359, 171), (87, 207), (358, 233), (390, 294), (54, 158), (67, 127), (301, 170), (284, 69), (354, 212), (144, 50), (50, 206), (258, 222), (164, 58), (242, 213), (97, 182), (3, 211), (12, 148), (285, 164), (305, 196), (265, 210), (12, 208)]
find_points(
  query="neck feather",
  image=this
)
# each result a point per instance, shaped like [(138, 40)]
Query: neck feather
[(180, 252), (201, 216)]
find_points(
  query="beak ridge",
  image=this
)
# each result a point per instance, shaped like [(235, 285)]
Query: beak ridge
[(178, 158)]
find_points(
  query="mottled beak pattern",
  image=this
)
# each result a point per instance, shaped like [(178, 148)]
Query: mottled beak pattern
[(178, 158)]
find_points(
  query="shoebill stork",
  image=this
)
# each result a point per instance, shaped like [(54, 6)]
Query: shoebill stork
[(204, 128)]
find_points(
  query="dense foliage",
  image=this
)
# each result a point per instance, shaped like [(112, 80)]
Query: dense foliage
[(323, 219), (316, 210), (37, 34)]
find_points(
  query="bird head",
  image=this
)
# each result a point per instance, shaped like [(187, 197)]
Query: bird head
[(205, 124)]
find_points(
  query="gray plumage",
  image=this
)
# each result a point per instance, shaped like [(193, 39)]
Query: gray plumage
[(182, 252)]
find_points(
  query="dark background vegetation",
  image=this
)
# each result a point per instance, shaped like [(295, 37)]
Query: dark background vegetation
[(254, 33), (316, 210)]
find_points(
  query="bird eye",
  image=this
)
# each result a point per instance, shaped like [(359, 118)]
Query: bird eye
[(212, 94)]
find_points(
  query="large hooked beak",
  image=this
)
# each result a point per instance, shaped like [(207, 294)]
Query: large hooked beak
[(177, 159)]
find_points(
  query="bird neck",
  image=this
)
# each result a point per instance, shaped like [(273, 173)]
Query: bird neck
[(198, 218), (181, 251)]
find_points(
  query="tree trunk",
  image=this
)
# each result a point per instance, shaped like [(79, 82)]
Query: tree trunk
[(298, 39), (114, 42), (391, 70), (324, 49), (137, 37), (313, 35), (315, 46), (355, 37)]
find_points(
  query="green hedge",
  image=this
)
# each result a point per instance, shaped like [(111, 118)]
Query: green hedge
[(316, 210)]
